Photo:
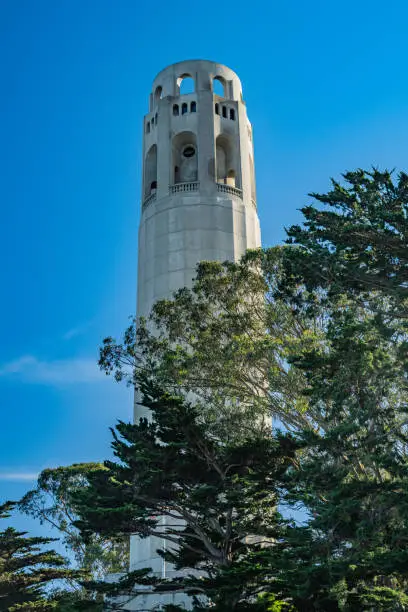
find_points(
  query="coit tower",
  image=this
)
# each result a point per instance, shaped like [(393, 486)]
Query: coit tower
[(198, 195)]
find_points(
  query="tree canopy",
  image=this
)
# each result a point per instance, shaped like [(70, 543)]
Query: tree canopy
[(312, 514), (26, 569), (226, 342), (174, 480), (354, 244), (51, 502)]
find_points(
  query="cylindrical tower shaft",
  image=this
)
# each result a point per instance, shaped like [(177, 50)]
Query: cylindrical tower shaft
[(198, 197)]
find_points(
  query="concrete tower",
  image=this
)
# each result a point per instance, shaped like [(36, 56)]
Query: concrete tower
[(198, 199), (198, 188)]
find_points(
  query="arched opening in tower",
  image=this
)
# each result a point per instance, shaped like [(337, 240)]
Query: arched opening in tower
[(185, 84), (158, 94), (185, 162), (226, 162), (150, 182), (219, 86)]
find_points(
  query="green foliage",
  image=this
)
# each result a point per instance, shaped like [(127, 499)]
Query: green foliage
[(349, 266), (26, 569), (226, 341), (76, 601), (206, 498), (356, 244), (353, 475), (314, 333), (51, 502)]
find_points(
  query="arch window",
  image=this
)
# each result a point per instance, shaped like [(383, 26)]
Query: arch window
[(158, 94), (155, 118), (176, 110), (185, 84), (152, 122), (184, 149), (224, 112), (148, 127), (232, 114), (219, 86), (226, 161), (184, 108), (150, 168), (217, 109), (193, 107)]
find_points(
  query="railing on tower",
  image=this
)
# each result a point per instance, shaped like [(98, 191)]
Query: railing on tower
[(229, 189), (150, 198), (181, 187), (194, 186)]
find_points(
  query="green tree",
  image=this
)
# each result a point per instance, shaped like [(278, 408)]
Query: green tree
[(51, 502), (348, 264), (355, 244), (226, 342), (26, 570), (213, 502), (351, 479), (313, 332)]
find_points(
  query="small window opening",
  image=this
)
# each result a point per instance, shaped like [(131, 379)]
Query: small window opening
[(148, 127), (232, 114), (158, 94), (184, 108), (217, 109), (175, 110), (152, 122), (153, 186), (193, 107), (224, 112), (155, 118)]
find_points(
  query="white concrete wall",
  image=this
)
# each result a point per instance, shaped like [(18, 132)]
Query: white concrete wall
[(177, 232)]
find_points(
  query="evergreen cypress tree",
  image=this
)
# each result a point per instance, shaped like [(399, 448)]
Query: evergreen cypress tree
[(329, 344), (26, 569), (347, 264), (226, 495), (351, 480)]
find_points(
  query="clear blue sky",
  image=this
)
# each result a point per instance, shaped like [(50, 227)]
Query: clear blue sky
[(326, 89)]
